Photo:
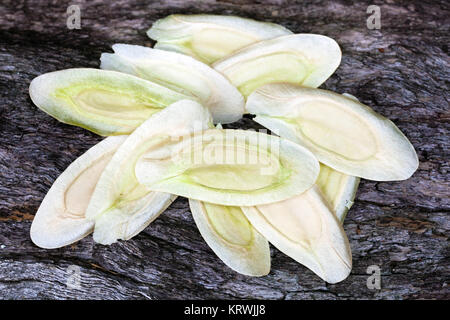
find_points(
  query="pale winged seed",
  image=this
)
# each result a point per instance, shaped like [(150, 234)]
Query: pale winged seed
[(120, 206), (102, 101), (305, 229), (351, 138), (210, 37), (303, 59), (232, 238), (180, 73), (231, 167), (60, 219)]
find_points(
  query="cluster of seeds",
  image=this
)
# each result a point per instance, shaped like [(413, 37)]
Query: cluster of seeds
[(158, 107)]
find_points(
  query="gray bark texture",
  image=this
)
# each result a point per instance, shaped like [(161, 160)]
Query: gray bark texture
[(401, 70)]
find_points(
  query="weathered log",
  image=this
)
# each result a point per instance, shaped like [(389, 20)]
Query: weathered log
[(401, 70)]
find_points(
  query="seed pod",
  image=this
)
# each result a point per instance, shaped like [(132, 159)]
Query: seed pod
[(231, 167), (60, 219), (232, 238), (210, 37), (303, 59), (343, 134), (179, 73), (304, 228), (104, 102)]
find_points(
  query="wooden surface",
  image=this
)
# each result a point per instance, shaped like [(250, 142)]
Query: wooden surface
[(400, 70)]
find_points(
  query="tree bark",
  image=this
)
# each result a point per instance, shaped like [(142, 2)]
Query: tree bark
[(401, 70)]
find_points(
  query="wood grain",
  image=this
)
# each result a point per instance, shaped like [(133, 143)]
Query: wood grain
[(400, 70)]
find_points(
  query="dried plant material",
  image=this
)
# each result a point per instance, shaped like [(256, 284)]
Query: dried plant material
[(342, 133), (339, 189), (210, 37), (303, 59), (104, 102), (60, 219), (180, 73), (244, 188), (305, 229), (120, 205), (232, 238), (231, 167)]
